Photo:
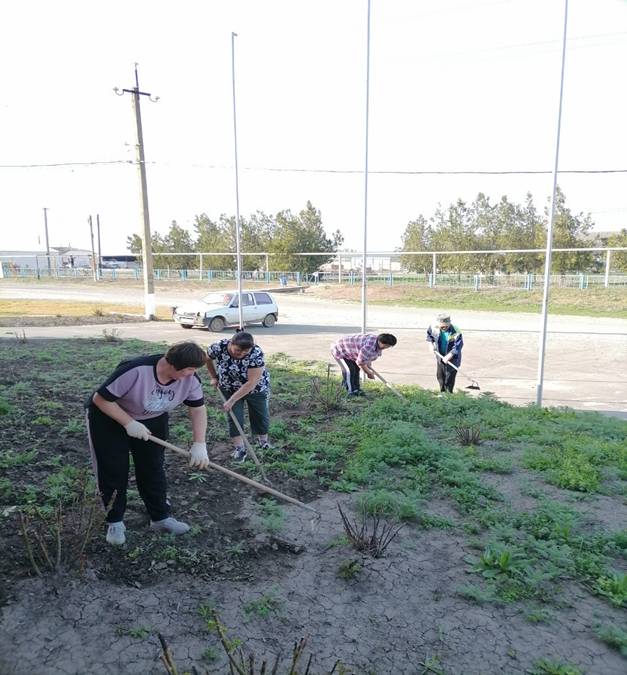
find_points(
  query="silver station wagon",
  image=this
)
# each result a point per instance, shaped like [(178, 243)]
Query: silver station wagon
[(220, 309)]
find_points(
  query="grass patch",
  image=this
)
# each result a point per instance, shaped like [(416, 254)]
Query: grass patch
[(570, 301)]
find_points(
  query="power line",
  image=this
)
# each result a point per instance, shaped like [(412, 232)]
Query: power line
[(62, 164), (381, 172)]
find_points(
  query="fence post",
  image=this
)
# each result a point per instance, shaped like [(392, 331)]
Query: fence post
[(433, 273), (339, 269), (608, 256), (477, 282), (390, 279), (298, 278), (581, 282)]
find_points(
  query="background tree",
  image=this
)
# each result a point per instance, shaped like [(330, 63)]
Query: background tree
[(618, 261), (179, 240), (453, 229), (417, 237), (134, 245), (569, 231), (502, 226), (212, 237), (293, 234)]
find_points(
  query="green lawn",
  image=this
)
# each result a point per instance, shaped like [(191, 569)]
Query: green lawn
[(590, 302)]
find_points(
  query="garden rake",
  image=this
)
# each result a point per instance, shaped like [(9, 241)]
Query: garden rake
[(248, 445), (473, 383), (387, 384), (237, 476)]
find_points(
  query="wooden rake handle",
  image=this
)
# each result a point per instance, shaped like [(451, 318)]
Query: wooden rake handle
[(237, 476), (247, 443), (387, 384)]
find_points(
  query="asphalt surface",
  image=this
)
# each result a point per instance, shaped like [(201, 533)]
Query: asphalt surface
[(585, 366)]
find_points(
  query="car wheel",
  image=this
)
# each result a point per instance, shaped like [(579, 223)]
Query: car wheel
[(217, 324), (185, 325), (269, 321)]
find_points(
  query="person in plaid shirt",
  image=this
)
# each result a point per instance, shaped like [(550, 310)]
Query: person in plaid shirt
[(355, 352)]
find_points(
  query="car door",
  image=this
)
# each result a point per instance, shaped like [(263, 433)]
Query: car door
[(231, 311), (265, 305), (250, 309)]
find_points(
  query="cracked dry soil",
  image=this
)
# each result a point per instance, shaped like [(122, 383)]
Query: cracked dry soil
[(398, 613)]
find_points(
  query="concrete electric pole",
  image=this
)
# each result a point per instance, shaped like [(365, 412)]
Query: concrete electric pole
[(99, 247), (149, 282), (94, 267), (47, 242)]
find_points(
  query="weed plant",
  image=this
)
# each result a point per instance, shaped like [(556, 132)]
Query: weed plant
[(550, 667), (56, 537), (240, 663), (614, 636)]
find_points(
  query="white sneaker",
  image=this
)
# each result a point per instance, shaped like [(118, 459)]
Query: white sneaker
[(115, 534), (170, 525)]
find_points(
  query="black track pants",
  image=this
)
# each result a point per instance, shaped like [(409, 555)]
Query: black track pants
[(446, 375), (110, 446), (350, 374)]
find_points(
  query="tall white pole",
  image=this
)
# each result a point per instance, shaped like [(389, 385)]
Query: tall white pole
[(608, 258), (364, 284), (549, 234), (237, 224)]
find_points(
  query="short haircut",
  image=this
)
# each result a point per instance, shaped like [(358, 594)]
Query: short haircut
[(387, 339), (243, 340), (186, 355)]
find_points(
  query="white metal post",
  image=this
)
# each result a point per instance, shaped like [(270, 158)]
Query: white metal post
[(608, 256), (237, 233), (364, 283), (549, 234), (433, 269)]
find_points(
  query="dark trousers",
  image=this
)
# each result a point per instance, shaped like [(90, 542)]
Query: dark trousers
[(258, 413), (446, 375), (110, 446), (350, 374)]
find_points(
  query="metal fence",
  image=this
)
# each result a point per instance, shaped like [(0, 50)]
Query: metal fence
[(477, 282), (26, 272), (526, 282)]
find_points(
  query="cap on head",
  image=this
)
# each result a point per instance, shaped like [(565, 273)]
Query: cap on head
[(443, 318)]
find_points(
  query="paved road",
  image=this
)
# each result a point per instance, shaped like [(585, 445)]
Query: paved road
[(586, 362)]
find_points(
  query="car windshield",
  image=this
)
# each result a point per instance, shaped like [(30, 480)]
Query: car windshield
[(217, 299)]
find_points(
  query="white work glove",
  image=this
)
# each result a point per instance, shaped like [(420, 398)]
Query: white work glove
[(199, 456), (136, 429)]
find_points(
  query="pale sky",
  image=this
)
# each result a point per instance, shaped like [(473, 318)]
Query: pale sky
[(455, 85)]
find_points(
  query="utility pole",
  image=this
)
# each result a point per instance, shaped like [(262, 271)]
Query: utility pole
[(99, 248), (149, 282), (47, 242), (93, 252)]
